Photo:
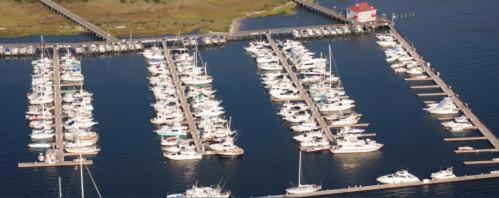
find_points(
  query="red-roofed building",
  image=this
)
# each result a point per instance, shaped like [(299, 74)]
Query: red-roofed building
[(361, 12)]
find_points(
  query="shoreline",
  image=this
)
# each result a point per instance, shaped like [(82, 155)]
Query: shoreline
[(236, 23), (287, 8)]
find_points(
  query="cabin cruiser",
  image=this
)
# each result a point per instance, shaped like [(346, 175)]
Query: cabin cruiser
[(195, 191), (459, 124), (443, 174), (446, 106), (39, 145), (90, 150), (305, 126), (183, 155), (351, 144), (402, 176), (309, 135)]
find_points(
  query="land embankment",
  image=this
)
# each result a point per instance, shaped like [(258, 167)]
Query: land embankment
[(136, 17)]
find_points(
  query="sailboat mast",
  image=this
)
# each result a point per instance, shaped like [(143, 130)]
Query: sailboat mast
[(299, 171), (60, 188), (81, 177), (330, 60)]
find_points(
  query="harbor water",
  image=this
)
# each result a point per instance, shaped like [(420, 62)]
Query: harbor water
[(457, 37)]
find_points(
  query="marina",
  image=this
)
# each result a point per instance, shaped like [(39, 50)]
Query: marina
[(70, 135), (196, 110)]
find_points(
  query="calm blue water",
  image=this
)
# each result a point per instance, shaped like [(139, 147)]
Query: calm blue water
[(131, 165)]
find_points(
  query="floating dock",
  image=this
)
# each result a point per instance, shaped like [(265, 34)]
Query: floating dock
[(59, 139), (193, 130), (484, 162), (80, 21), (389, 186), (476, 151), (303, 92), (465, 139), (445, 88)]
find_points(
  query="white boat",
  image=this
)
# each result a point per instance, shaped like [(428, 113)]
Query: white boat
[(402, 176), (201, 191), (309, 135), (443, 174), (41, 136), (39, 145), (183, 155), (444, 107), (465, 148), (351, 144), (302, 188), (90, 150)]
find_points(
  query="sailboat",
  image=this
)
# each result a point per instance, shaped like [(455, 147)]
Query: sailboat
[(302, 188)]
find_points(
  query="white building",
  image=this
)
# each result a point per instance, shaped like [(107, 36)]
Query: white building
[(361, 12)]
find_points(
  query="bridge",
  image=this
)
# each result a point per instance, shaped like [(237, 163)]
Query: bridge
[(80, 21)]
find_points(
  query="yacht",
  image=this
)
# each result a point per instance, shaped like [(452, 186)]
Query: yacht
[(90, 150), (444, 107), (39, 145), (183, 155), (443, 174), (351, 144), (200, 191), (402, 176), (302, 188)]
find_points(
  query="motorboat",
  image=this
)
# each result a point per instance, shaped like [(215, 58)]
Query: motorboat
[(39, 145), (444, 107), (200, 191), (443, 174), (90, 150), (183, 155), (402, 176), (351, 144), (465, 148)]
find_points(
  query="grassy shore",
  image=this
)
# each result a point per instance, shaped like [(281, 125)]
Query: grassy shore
[(18, 19), (137, 17)]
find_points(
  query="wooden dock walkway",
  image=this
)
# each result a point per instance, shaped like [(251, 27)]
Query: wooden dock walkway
[(323, 10), (431, 94), (426, 87), (476, 151), (45, 164), (389, 186), (349, 125), (59, 139), (303, 92), (458, 139), (80, 21), (483, 162), (193, 130), (445, 88), (359, 135)]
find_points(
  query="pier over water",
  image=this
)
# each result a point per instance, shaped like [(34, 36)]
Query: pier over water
[(303, 92), (193, 130), (80, 21)]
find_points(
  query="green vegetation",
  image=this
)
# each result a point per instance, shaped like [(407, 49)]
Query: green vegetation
[(23, 19), (137, 17)]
